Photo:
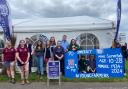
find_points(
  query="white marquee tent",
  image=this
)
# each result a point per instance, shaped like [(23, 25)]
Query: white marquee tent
[(91, 32)]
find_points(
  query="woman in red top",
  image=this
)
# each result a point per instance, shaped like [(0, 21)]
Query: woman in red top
[(8, 58), (23, 55)]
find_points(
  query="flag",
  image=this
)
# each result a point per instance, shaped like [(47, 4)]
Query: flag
[(118, 18), (5, 21)]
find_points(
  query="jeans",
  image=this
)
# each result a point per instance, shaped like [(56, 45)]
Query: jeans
[(39, 63)]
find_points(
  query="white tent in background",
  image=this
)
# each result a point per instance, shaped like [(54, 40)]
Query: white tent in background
[(91, 32)]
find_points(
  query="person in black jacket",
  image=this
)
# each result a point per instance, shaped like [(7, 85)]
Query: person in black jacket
[(29, 46), (124, 51), (59, 55)]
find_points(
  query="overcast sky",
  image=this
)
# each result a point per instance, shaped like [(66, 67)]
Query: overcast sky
[(105, 9)]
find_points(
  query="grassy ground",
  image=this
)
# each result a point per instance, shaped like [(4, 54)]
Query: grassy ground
[(34, 78)]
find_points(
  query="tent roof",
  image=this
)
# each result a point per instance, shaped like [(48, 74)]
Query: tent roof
[(57, 24)]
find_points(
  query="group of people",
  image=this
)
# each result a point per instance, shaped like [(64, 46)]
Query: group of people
[(21, 56), (42, 53)]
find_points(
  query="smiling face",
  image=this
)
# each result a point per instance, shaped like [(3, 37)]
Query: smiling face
[(92, 57), (39, 42), (8, 44), (52, 39), (73, 41), (58, 43), (22, 43), (64, 37)]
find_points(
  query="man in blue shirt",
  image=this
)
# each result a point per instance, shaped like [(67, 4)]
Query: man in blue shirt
[(65, 43)]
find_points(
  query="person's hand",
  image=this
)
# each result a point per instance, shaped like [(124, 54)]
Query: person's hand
[(93, 71), (26, 62), (59, 58), (22, 62), (74, 49), (66, 50)]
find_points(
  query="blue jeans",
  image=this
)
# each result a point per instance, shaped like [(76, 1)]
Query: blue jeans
[(39, 63)]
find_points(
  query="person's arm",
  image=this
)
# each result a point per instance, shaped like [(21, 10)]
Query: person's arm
[(77, 47), (55, 53), (44, 52), (61, 56), (70, 48), (2, 57), (28, 57), (67, 47), (17, 56)]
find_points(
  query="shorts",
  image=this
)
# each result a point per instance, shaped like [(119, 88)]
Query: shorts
[(7, 64)]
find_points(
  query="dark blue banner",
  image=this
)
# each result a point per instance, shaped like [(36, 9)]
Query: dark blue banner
[(118, 17), (105, 63), (5, 21)]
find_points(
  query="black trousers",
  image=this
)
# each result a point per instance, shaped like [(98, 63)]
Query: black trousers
[(30, 64), (61, 64)]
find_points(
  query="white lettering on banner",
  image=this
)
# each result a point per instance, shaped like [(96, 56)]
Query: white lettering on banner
[(116, 60), (119, 60), (116, 71), (114, 56), (84, 52), (97, 75), (103, 66), (116, 66), (111, 60), (101, 56), (102, 60)]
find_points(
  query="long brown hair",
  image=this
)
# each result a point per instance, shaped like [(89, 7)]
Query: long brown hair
[(39, 45), (25, 45), (52, 42)]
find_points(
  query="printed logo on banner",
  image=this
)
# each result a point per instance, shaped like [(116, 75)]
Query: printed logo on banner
[(99, 51), (71, 63), (71, 53), (4, 10)]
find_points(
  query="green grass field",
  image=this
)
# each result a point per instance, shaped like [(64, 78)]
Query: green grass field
[(34, 78)]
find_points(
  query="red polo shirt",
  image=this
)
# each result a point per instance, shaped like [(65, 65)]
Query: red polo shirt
[(9, 54), (23, 53)]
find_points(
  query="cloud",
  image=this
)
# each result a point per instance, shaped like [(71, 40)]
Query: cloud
[(56, 8), (62, 8)]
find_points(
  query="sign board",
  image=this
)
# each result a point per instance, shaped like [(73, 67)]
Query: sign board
[(53, 70), (106, 63)]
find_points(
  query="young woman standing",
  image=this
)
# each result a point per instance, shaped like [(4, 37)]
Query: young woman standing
[(23, 55), (52, 42), (8, 58), (39, 55), (73, 45)]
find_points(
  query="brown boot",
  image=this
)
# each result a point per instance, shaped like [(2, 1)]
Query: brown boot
[(22, 82), (27, 81)]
